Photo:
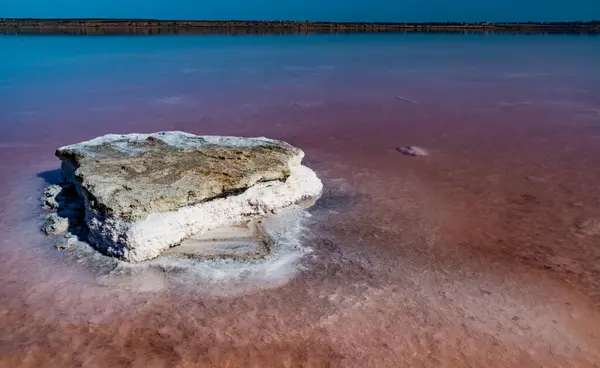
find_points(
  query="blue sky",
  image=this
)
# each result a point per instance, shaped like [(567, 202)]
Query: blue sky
[(335, 10)]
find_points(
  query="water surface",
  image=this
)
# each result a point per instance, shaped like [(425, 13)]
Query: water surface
[(484, 253)]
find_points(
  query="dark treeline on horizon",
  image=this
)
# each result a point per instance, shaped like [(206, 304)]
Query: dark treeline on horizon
[(153, 26)]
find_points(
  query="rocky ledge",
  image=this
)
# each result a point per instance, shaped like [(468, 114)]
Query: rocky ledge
[(145, 193)]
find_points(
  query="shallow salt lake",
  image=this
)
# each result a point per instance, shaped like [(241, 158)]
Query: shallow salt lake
[(482, 253)]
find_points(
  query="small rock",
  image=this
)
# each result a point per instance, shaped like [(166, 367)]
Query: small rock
[(50, 203), (49, 198), (412, 151), (52, 190), (55, 225), (67, 242)]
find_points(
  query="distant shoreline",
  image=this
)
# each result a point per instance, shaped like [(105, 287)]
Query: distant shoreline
[(150, 26)]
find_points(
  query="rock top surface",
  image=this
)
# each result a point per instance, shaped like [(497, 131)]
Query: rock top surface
[(133, 175)]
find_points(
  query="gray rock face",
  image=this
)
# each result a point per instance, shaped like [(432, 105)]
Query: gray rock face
[(144, 193), (133, 175)]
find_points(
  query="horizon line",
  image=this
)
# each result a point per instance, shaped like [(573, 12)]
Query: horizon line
[(301, 21)]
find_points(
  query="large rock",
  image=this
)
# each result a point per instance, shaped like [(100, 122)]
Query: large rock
[(145, 193)]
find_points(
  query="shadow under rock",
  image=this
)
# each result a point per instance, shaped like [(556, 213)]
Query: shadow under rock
[(51, 177)]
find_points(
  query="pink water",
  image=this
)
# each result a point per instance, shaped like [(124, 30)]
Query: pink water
[(484, 253)]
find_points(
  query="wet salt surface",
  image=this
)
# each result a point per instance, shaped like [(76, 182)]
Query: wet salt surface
[(226, 277), (474, 255)]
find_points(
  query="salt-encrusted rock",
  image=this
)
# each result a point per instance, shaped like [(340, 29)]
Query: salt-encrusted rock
[(144, 193), (55, 224), (49, 198), (68, 241)]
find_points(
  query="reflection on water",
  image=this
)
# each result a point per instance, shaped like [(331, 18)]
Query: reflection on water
[(459, 257)]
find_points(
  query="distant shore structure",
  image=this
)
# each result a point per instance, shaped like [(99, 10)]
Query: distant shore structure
[(152, 26)]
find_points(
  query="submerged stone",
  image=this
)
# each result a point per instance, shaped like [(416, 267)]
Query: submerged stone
[(412, 151), (144, 193)]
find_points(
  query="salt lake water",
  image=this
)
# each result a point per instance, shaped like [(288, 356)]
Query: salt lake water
[(484, 253)]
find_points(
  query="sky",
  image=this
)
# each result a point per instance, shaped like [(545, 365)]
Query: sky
[(326, 10)]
